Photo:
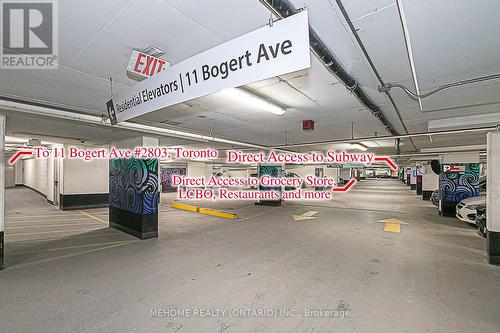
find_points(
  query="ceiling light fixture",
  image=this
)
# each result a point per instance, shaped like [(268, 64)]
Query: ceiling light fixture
[(454, 148), (466, 121), (253, 100), (358, 146)]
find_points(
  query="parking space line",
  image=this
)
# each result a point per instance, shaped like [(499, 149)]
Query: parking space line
[(70, 255), (86, 224), (25, 217), (7, 241), (66, 247), (94, 217), (40, 222), (51, 232)]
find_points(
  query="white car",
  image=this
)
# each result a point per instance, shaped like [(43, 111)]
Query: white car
[(466, 209)]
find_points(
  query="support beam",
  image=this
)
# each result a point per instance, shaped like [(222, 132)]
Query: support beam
[(430, 183), (2, 188), (493, 198)]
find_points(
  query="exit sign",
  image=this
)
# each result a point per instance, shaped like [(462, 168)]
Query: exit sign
[(142, 65)]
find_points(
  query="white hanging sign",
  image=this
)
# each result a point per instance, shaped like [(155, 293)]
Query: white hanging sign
[(261, 54)]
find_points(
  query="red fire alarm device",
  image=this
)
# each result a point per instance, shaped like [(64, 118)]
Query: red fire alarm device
[(308, 125)]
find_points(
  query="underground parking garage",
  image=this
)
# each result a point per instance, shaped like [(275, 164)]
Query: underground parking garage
[(249, 166)]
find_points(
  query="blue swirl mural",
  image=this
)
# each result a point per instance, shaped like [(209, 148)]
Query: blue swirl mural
[(166, 178), (133, 185), (454, 186), (270, 170)]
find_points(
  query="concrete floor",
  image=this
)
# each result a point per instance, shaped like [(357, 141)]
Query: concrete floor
[(433, 276)]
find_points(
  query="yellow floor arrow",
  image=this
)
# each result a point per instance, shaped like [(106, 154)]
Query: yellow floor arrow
[(392, 225), (306, 216)]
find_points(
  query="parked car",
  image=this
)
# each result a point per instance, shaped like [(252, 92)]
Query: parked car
[(481, 221), (466, 209), (435, 198)]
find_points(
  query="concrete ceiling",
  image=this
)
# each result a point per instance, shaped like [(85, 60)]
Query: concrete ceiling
[(450, 42)]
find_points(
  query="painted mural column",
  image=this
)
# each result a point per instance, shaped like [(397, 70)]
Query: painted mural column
[(274, 171), (459, 179), (134, 191), (493, 198), (2, 187)]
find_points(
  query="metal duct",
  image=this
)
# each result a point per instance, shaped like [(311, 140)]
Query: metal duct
[(283, 9)]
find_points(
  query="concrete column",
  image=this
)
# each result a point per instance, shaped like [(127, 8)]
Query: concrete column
[(418, 179), (430, 182), (493, 198), (2, 187), (134, 191), (454, 180), (200, 169), (413, 178), (272, 170), (333, 173)]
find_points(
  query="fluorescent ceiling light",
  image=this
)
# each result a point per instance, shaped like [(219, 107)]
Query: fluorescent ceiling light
[(371, 144), (13, 139), (477, 120), (358, 146), (253, 100), (455, 148)]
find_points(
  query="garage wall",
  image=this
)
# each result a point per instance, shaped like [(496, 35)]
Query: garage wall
[(10, 176), (199, 169), (50, 180), (345, 173), (18, 170), (35, 174), (302, 171), (332, 172), (238, 173)]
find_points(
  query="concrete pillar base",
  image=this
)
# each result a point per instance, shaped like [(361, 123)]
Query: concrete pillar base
[(426, 195), (140, 226), (1, 249), (493, 247)]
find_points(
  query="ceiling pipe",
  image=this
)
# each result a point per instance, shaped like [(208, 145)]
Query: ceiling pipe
[(409, 50), (372, 65), (38, 110), (283, 9), (386, 87), (401, 136)]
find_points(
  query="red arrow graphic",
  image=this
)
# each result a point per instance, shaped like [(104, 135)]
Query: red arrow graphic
[(18, 154), (345, 188), (388, 161)]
